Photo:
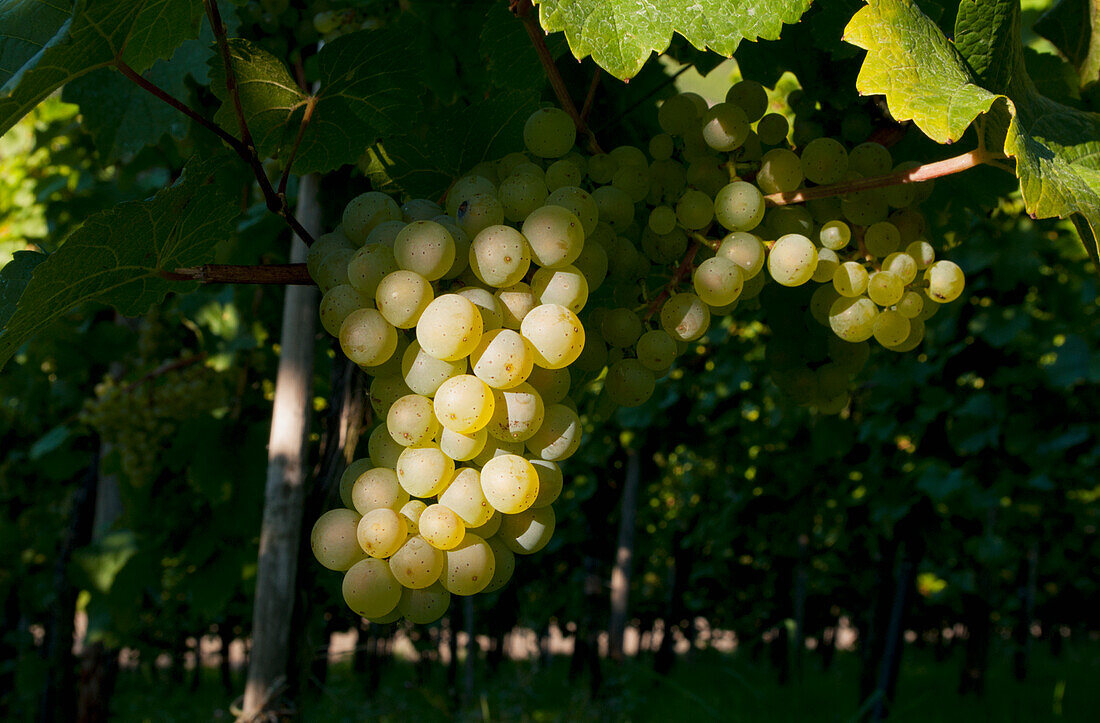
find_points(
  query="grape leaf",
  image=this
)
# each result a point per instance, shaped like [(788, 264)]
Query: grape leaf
[(115, 257), (620, 36), (1074, 28), (928, 79), (364, 91), (509, 55), (95, 33), (14, 278), (449, 142)]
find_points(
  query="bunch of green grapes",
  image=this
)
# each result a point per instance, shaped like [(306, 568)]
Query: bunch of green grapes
[(139, 419), (473, 316)]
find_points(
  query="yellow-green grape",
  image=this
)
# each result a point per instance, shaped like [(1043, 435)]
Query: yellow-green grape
[(377, 488), (773, 129), (368, 266), (916, 336), (462, 246), (510, 483), (945, 281), (385, 234), (385, 390), (462, 447), (324, 246), (744, 249), (337, 303), (515, 301), (392, 366), (489, 528), (891, 328), (383, 450), (850, 279), (333, 269), (885, 288), (348, 478), (564, 285), (656, 350), (423, 373), (381, 532), (496, 448), (469, 567), (783, 220), (824, 161), (695, 209), (417, 564), (922, 252), (517, 413), (739, 206), (441, 527), (593, 357), (492, 316), (717, 281), (564, 172), (402, 297), (424, 471), (629, 383), (426, 605), (853, 319), (464, 189), (560, 433), (521, 194), (499, 256), (901, 265), (503, 359), (549, 133), (780, 171), (366, 211), (370, 589), (615, 205), (685, 317), (626, 156), (601, 168), (464, 404), (367, 338), (333, 539), (411, 420), (750, 96), (580, 203), (821, 302), (678, 115), (930, 307), (449, 328), (661, 147), (835, 235), (882, 239), (551, 384), (555, 333), (551, 482), (827, 264), (479, 212), (527, 532), (555, 234), (621, 327), (725, 127), (411, 511), (870, 159), (592, 263), (466, 499), (662, 219), (505, 562), (419, 209), (911, 305), (792, 260), (425, 247)]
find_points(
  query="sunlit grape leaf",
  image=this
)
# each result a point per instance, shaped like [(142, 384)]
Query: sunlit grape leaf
[(447, 143), (14, 278), (620, 35), (116, 256), (1074, 28), (923, 76), (927, 79), (39, 52)]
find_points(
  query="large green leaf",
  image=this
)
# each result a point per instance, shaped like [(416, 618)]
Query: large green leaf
[(620, 35), (450, 142), (365, 90), (117, 255), (14, 278), (38, 54), (932, 81), (509, 55)]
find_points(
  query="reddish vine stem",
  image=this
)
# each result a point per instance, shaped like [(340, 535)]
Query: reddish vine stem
[(678, 275), (926, 172), (283, 274), (523, 9), (311, 103), (590, 99)]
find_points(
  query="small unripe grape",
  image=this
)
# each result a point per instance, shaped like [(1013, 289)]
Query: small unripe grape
[(549, 133), (370, 589), (739, 206), (792, 260), (510, 483), (945, 281), (402, 297), (425, 247), (685, 317), (424, 471), (381, 532), (526, 533), (367, 338), (334, 541), (441, 527)]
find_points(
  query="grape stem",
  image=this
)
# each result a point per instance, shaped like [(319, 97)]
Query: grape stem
[(591, 97), (283, 274), (926, 172), (311, 103), (524, 10), (678, 275), (704, 240)]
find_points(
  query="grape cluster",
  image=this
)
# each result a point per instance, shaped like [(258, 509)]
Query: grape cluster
[(470, 317)]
